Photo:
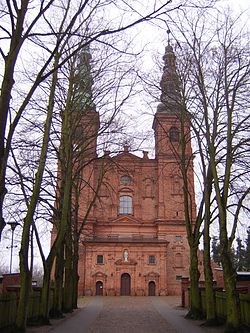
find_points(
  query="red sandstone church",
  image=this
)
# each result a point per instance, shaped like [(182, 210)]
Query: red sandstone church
[(134, 240)]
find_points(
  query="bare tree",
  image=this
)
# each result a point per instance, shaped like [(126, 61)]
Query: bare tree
[(218, 78), (34, 27)]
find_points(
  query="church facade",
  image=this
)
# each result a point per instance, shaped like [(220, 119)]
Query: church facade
[(134, 238)]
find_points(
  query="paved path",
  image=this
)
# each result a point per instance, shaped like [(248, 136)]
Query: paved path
[(126, 315)]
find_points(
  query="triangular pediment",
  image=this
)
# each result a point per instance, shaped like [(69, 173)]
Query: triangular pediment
[(126, 219), (127, 156)]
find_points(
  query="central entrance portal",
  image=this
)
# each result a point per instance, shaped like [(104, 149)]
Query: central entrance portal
[(151, 288), (125, 284), (99, 288)]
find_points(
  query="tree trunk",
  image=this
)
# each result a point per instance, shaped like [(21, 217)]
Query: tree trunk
[(211, 318), (25, 275), (45, 294), (56, 311), (68, 282), (195, 300), (232, 301), (76, 236)]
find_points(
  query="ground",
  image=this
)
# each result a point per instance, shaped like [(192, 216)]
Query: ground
[(126, 314)]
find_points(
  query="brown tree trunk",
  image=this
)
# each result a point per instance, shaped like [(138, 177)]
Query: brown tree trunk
[(211, 318), (233, 323), (25, 276), (68, 281), (56, 311), (75, 274), (195, 299)]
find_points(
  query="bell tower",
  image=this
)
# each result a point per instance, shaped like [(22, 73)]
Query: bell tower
[(169, 115), (172, 134), (86, 117)]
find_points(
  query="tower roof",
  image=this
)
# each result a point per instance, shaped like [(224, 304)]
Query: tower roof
[(170, 84), (83, 79)]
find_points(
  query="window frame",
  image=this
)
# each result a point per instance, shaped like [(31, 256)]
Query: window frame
[(97, 259), (151, 262), (125, 205), (174, 134)]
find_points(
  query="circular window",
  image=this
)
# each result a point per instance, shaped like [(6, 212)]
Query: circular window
[(126, 180)]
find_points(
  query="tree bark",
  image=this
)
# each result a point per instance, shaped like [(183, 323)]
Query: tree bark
[(68, 280), (211, 318), (56, 311), (195, 299)]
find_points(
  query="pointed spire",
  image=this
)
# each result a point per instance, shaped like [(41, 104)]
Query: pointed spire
[(170, 82), (83, 79)]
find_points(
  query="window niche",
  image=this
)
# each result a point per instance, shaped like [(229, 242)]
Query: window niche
[(174, 134), (176, 185), (178, 260), (148, 188)]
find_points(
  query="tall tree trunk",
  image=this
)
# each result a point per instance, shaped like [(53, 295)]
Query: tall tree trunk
[(45, 294), (68, 281), (56, 311), (75, 275), (233, 323), (25, 276), (195, 300), (44, 306), (211, 318)]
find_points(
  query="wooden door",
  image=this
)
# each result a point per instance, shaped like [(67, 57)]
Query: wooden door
[(151, 288), (99, 288), (125, 285)]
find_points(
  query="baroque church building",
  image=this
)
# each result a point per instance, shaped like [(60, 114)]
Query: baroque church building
[(134, 239)]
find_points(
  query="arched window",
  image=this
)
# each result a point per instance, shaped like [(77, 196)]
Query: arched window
[(174, 134), (126, 206)]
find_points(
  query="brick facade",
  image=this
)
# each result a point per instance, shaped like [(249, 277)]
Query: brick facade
[(134, 238)]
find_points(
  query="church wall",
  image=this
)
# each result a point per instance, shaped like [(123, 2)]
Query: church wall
[(153, 228), (138, 267)]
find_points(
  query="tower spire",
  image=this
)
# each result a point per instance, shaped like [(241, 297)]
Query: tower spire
[(170, 82), (83, 79)]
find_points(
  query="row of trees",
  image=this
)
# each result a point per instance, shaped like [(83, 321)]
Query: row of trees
[(212, 94), (214, 71)]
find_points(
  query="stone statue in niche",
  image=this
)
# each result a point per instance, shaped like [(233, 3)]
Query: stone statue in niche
[(125, 255)]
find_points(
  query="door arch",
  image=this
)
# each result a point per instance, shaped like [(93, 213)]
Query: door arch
[(99, 288), (151, 288), (125, 284)]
